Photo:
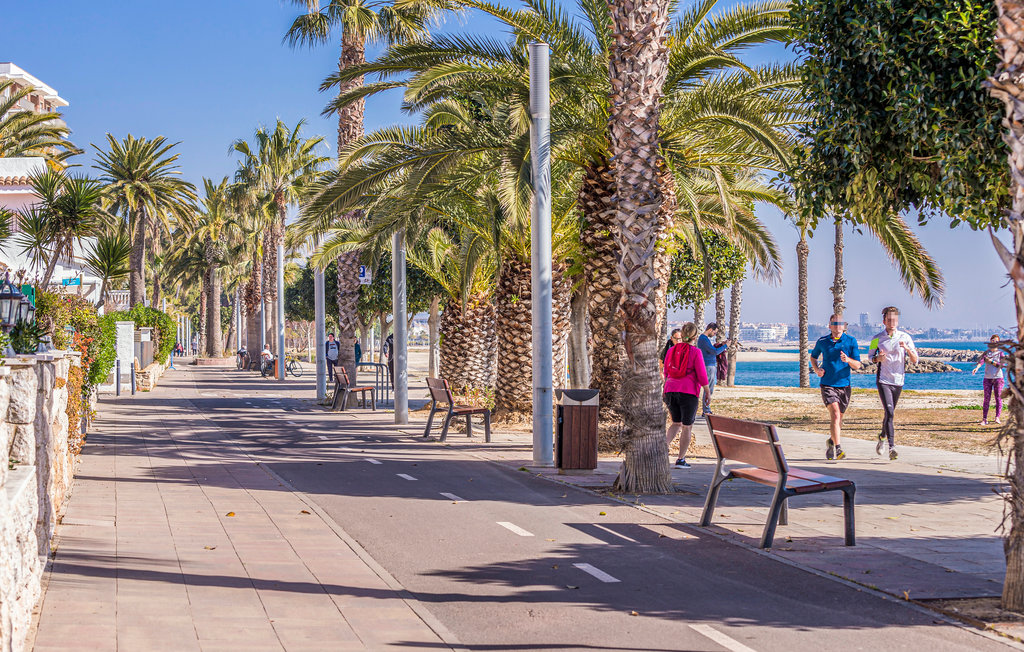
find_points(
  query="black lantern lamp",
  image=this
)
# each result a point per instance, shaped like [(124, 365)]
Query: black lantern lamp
[(27, 310), (10, 304)]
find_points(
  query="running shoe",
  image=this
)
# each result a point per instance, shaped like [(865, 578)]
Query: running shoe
[(880, 444), (996, 421), (839, 453), (681, 464), (892, 454), (983, 422), (830, 450)]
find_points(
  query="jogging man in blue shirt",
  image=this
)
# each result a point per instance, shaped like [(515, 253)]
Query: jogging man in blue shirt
[(839, 354), (710, 354)]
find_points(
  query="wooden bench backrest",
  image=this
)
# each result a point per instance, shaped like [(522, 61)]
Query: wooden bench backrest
[(440, 391), (748, 442), (342, 375)]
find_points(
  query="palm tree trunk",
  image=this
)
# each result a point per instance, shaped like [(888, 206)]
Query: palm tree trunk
[(579, 361), (252, 297), (468, 344), (638, 67), (157, 291), (51, 264), (604, 290), (433, 322), (348, 312), (720, 315), (802, 249), (214, 335), (137, 275), (204, 298), (513, 395), (839, 282), (734, 329), (270, 285), (1008, 86), (101, 304)]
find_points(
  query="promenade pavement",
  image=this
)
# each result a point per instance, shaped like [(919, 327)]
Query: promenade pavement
[(177, 533)]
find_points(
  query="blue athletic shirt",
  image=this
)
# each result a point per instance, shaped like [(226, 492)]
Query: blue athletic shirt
[(837, 372)]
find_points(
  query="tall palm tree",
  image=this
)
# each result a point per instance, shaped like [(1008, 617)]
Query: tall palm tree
[(802, 251), (109, 259), (70, 208), (277, 166), (25, 133), (211, 230), (143, 183)]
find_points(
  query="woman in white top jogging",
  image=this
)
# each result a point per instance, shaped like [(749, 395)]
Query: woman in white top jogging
[(891, 349)]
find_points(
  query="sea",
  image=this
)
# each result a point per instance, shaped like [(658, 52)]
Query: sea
[(787, 374)]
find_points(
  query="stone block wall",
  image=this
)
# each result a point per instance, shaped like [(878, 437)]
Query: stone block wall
[(34, 481)]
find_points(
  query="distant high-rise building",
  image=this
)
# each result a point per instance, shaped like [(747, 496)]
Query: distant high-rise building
[(865, 319)]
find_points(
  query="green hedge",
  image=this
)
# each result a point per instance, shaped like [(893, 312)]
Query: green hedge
[(164, 328)]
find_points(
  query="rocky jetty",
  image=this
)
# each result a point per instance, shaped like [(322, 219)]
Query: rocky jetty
[(752, 348), (952, 355), (922, 367)]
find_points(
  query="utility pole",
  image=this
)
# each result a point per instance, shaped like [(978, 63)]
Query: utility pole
[(398, 309), (540, 270), (320, 309)]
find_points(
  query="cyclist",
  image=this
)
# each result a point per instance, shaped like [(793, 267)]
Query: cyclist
[(242, 353), (267, 358)]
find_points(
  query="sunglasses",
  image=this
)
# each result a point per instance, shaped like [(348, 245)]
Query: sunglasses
[(837, 323)]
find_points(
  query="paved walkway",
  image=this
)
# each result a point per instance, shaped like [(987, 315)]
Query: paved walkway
[(175, 539), (174, 533)]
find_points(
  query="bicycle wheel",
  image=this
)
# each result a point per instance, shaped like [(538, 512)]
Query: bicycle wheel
[(295, 368), (266, 369)]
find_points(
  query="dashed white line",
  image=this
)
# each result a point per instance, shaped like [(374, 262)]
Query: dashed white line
[(614, 533), (321, 437), (291, 423), (596, 572), (405, 475), (727, 642), (453, 497), (515, 528), (373, 461)]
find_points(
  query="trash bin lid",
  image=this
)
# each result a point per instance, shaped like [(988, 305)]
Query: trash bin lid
[(576, 396)]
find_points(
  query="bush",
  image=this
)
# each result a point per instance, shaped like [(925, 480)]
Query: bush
[(55, 311), (164, 328)]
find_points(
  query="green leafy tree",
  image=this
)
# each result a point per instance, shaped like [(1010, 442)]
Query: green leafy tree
[(109, 259), (698, 272)]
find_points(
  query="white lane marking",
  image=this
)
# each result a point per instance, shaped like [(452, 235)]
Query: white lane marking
[(291, 423), (321, 437), (614, 533), (720, 638), (405, 475), (373, 461), (515, 528), (453, 497), (596, 572)]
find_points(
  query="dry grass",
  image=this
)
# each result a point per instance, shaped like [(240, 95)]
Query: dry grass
[(941, 428)]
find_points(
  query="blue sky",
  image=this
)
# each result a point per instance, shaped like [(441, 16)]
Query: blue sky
[(207, 73)]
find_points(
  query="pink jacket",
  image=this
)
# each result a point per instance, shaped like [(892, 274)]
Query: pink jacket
[(696, 377)]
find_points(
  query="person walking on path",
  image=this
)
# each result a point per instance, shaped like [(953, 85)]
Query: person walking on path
[(195, 345), (685, 375), (673, 339), (332, 349), (890, 350), (358, 351), (710, 351), (993, 382), (388, 349), (839, 354)]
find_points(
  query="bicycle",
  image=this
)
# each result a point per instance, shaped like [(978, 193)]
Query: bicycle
[(294, 367), (266, 368), (244, 361)]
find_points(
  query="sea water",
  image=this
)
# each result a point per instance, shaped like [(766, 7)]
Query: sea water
[(787, 374)]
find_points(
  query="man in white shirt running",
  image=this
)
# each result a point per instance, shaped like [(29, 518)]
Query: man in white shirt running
[(891, 349)]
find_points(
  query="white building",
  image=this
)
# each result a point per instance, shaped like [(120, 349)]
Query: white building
[(43, 99)]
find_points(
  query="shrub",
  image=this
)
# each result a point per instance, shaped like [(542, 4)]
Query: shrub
[(57, 310), (164, 328)]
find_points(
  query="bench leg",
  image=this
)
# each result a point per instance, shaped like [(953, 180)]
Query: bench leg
[(469, 426), (447, 421), (784, 513), (373, 400), (344, 399), (487, 427), (848, 522), (337, 399), (778, 501), (712, 499), (430, 417)]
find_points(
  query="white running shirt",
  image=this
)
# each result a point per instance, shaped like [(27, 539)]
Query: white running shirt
[(893, 368)]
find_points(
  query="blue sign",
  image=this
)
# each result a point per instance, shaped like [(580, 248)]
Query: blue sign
[(365, 275), (71, 281)]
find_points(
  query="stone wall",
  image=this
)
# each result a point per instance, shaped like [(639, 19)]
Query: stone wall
[(34, 481)]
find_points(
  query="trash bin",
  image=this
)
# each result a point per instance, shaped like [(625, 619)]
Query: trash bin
[(576, 445)]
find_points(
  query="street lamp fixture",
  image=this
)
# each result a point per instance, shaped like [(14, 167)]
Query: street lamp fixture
[(10, 301)]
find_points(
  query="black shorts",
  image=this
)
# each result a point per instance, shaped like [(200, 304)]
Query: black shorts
[(840, 395), (682, 407)]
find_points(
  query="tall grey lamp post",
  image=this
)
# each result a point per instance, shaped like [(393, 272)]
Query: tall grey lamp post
[(320, 318), (398, 309), (280, 312), (540, 270)]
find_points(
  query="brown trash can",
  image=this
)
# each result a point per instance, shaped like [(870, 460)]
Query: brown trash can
[(576, 419)]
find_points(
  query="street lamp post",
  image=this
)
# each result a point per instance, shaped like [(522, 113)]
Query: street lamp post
[(398, 309), (320, 317), (280, 312), (540, 278)]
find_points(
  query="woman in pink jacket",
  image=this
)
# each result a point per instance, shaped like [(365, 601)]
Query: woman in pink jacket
[(685, 376)]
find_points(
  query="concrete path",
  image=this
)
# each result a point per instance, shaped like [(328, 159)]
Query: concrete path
[(174, 539)]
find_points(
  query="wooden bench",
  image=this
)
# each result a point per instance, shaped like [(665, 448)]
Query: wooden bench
[(342, 389), (441, 392), (757, 444)]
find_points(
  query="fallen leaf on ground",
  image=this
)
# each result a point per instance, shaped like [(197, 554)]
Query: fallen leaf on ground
[(304, 512), (633, 613), (210, 547), (602, 514), (906, 595), (549, 539), (570, 586), (230, 514)]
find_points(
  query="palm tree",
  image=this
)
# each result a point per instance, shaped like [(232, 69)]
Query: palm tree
[(735, 304), (278, 166), (109, 259), (70, 209), (802, 250), (142, 183), (25, 133), (211, 230)]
